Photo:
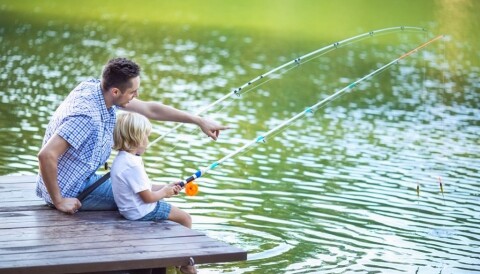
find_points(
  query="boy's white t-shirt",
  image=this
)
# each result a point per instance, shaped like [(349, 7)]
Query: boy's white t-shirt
[(128, 179)]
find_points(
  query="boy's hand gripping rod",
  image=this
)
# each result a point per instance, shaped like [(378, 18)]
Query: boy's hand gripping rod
[(192, 189)]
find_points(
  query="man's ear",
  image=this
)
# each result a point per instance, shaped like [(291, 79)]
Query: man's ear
[(115, 91)]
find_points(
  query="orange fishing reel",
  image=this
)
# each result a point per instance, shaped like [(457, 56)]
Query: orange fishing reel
[(191, 188)]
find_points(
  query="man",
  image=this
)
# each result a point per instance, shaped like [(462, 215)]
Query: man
[(78, 139)]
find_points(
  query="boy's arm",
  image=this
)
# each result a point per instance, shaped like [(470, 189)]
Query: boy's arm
[(156, 187), (149, 196)]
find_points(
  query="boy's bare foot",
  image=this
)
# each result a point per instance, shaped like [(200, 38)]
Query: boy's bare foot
[(188, 269)]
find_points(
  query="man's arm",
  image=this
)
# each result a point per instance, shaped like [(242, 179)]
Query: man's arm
[(160, 112), (48, 163)]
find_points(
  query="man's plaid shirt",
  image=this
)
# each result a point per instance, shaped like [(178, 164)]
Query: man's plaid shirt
[(84, 121)]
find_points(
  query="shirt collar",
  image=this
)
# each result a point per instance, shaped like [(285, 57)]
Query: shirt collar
[(106, 114)]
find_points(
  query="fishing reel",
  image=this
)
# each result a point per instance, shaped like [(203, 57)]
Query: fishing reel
[(191, 188)]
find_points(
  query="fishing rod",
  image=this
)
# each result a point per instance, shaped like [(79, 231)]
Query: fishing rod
[(292, 64), (191, 188)]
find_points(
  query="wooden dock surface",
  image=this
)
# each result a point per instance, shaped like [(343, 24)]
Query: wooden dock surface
[(37, 239)]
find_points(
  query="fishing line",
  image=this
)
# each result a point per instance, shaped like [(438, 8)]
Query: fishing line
[(443, 112), (423, 96), (192, 188)]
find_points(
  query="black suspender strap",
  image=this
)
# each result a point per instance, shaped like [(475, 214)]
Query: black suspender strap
[(94, 186)]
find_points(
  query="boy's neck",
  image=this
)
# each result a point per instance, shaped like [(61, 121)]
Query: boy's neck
[(134, 152)]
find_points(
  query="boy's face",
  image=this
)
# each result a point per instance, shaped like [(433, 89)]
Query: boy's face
[(143, 146)]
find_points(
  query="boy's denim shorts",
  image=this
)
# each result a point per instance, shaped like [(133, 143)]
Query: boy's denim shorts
[(161, 212)]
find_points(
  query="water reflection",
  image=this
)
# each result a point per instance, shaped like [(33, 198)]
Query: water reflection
[(335, 192)]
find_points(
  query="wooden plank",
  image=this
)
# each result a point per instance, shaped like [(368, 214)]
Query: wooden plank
[(111, 235), (52, 214), (101, 239), (59, 219), (9, 204), (184, 244), (36, 205), (93, 230), (24, 247), (60, 264), (18, 179), (17, 193), (17, 186), (68, 253), (7, 200)]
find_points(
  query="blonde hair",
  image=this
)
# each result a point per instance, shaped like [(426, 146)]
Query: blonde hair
[(130, 131)]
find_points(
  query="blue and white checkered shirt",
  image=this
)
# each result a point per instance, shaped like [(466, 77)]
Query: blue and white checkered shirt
[(84, 121)]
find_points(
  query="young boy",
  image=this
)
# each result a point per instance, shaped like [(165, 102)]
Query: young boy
[(133, 192)]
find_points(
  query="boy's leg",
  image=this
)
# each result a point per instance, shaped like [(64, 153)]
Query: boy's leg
[(179, 216), (174, 214), (101, 198)]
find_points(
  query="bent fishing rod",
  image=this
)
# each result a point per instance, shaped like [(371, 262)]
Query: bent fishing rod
[(191, 188), (292, 64)]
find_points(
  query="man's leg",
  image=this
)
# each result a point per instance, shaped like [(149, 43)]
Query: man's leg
[(101, 198)]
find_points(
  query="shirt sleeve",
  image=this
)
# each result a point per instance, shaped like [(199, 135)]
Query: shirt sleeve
[(76, 129)]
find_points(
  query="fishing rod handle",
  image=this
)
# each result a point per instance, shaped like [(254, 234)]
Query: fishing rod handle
[(194, 176)]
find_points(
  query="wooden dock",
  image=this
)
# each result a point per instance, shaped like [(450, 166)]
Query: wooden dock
[(37, 239)]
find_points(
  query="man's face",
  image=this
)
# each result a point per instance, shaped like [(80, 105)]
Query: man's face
[(123, 98)]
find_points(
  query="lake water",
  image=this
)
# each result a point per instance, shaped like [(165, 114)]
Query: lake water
[(335, 192)]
